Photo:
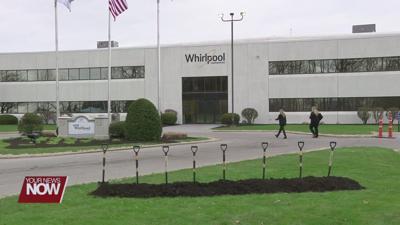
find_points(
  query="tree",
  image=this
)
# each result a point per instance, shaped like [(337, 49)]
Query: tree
[(364, 114), (5, 107), (47, 112), (30, 123), (143, 122), (377, 113), (250, 115)]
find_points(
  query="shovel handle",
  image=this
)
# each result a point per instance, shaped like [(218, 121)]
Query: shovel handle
[(301, 145), (136, 149), (194, 149), (333, 144), (264, 145), (223, 147), (104, 147), (165, 149)]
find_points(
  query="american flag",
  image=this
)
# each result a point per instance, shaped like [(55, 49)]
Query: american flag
[(117, 7)]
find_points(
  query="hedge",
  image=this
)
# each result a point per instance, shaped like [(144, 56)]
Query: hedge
[(230, 119), (8, 120), (117, 130), (143, 122), (169, 118)]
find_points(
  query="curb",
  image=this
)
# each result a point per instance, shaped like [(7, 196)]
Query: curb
[(116, 149), (305, 133)]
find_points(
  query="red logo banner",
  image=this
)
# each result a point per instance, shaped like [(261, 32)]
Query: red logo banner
[(43, 189)]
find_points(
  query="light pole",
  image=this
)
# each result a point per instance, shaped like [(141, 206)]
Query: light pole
[(232, 20), (158, 59)]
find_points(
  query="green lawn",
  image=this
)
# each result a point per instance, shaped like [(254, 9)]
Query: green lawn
[(4, 150), (375, 168), (323, 129), (13, 128)]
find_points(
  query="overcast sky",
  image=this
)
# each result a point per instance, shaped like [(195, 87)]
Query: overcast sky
[(28, 25)]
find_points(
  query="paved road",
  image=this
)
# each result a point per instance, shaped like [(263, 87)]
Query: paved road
[(84, 168)]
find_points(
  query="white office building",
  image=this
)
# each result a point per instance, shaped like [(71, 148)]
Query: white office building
[(339, 74)]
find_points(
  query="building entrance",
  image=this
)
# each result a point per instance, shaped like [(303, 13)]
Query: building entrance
[(204, 99)]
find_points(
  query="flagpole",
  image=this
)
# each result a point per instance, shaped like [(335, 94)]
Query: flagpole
[(57, 69), (109, 69), (158, 57)]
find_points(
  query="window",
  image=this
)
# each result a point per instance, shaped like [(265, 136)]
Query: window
[(22, 75), (32, 75), (42, 75), (63, 74), (104, 73), (32, 107), (84, 107), (12, 76), (84, 74), (116, 73), (391, 64), (126, 72), (120, 106), (22, 108), (73, 74), (355, 65), (95, 74), (332, 104), (51, 75)]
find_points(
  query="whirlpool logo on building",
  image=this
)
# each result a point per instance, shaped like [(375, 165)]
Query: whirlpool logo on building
[(208, 58), (43, 189)]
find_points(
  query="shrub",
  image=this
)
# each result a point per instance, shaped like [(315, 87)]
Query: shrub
[(48, 134), (168, 118), (171, 111), (250, 115), (143, 122), (170, 136), (30, 123), (363, 114), (8, 120), (117, 130), (230, 119)]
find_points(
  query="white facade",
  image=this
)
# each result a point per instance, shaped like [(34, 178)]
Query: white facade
[(253, 84)]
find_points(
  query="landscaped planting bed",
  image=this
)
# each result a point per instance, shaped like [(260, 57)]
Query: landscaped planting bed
[(226, 187)]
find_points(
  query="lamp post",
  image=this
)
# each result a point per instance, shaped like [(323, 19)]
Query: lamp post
[(158, 59), (232, 20)]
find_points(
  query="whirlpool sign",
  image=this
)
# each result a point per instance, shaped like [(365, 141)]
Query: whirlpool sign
[(205, 58)]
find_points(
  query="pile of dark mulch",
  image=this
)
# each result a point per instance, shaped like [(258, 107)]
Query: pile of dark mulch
[(253, 186)]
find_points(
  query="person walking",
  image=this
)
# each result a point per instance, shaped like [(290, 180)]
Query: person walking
[(315, 118), (282, 123)]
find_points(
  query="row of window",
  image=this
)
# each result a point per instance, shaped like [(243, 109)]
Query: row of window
[(65, 107), (331, 104), (98, 73), (335, 66)]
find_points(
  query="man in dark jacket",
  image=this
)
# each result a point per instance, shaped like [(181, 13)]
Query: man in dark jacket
[(315, 118), (282, 123)]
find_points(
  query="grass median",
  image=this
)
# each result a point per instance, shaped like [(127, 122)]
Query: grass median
[(352, 129), (377, 169)]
